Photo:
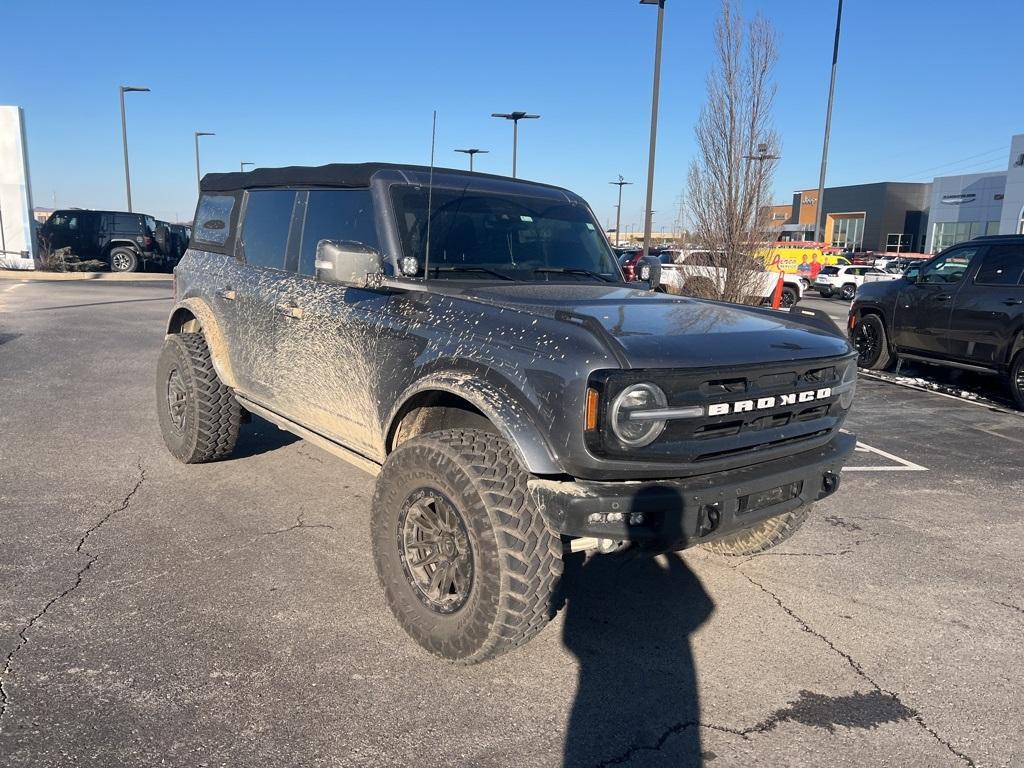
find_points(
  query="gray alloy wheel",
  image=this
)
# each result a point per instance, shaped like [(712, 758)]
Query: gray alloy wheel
[(123, 260), (848, 291)]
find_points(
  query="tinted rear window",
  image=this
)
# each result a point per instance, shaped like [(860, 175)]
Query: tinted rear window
[(268, 218), (829, 270), (213, 219), (1003, 265)]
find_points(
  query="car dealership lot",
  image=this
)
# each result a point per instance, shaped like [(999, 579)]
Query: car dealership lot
[(229, 613)]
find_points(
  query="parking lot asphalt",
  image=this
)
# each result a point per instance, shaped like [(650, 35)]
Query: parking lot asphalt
[(228, 614)]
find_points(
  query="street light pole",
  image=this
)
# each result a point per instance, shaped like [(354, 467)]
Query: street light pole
[(197, 135), (828, 129), (123, 89), (241, 165), (472, 152), (618, 209), (654, 121), (515, 117)]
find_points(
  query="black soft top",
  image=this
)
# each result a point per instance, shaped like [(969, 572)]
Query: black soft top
[(333, 175)]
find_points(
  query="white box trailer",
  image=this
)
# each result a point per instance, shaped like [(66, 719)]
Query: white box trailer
[(17, 247)]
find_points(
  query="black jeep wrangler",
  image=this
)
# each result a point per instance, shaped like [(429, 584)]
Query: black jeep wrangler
[(127, 242), (470, 340)]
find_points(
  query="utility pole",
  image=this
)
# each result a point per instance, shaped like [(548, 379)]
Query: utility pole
[(654, 122), (472, 152), (123, 89), (197, 135), (828, 129), (515, 117), (618, 208)]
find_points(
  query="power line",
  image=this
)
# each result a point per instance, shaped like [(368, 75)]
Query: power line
[(925, 171)]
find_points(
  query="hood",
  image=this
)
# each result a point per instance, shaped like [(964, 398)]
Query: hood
[(657, 330)]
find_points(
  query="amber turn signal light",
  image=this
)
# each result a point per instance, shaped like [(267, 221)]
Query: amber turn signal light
[(592, 399)]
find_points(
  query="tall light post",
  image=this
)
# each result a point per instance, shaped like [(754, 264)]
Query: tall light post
[(618, 208), (828, 128), (241, 165), (472, 152), (515, 117), (654, 120), (197, 135), (763, 155), (123, 89)]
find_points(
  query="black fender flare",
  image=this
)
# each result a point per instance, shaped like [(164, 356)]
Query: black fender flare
[(508, 416)]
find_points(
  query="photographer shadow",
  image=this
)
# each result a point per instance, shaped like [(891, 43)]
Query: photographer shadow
[(628, 620)]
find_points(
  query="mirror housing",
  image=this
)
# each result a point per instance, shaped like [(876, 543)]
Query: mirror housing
[(911, 274), (349, 263)]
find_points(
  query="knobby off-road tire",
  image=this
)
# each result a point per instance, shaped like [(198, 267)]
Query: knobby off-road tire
[(872, 344), (761, 537), (510, 561), (199, 417)]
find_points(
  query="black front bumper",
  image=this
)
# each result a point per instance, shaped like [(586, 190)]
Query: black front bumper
[(678, 513)]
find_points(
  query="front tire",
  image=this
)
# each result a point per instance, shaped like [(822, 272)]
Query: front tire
[(123, 260), (199, 417), (761, 537), (872, 344), (468, 564), (789, 298), (848, 291)]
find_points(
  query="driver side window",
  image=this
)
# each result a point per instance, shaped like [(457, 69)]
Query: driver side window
[(950, 268)]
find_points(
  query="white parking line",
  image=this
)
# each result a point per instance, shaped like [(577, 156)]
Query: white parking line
[(903, 464)]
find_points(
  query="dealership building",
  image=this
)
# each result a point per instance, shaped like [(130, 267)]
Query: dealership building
[(963, 207), (910, 217)]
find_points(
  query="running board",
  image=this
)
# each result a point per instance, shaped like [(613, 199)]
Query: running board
[(949, 363), (355, 459)]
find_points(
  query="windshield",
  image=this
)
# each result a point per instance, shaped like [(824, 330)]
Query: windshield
[(481, 235)]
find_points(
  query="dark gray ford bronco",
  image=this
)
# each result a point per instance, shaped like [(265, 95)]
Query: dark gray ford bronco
[(470, 340)]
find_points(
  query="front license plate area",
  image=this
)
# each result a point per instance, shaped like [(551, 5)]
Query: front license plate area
[(769, 498)]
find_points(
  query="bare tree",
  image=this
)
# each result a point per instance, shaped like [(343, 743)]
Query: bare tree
[(730, 178)]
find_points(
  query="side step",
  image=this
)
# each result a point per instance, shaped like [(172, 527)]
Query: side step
[(355, 459)]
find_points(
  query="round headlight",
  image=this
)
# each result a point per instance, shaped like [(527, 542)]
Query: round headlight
[(631, 425)]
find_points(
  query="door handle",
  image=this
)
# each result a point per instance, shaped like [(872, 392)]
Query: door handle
[(943, 297), (1013, 302), (228, 293), (289, 310)]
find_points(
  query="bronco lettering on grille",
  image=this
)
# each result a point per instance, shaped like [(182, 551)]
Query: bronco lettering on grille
[(773, 401)]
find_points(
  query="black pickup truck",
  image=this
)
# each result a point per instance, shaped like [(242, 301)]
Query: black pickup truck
[(470, 339), (963, 309)]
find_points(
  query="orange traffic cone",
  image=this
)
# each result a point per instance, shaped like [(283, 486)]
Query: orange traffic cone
[(777, 295)]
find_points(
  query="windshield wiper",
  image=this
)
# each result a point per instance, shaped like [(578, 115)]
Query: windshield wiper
[(572, 271), (467, 268)]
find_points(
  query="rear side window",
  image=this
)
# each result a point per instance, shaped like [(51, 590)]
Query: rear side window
[(336, 215), (213, 219), (126, 222), (1003, 265), (268, 218)]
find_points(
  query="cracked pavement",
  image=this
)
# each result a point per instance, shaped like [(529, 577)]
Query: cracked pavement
[(152, 613)]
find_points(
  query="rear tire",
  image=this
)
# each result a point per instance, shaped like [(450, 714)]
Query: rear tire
[(468, 564), (872, 344), (199, 417), (1017, 380), (761, 537), (825, 293), (123, 260)]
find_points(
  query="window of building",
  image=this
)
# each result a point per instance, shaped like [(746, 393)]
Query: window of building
[(268, 219), (213, 219), (949, 233), (848, 232), (992, 228), (336, 215), (1020, 224), (1003, 265)]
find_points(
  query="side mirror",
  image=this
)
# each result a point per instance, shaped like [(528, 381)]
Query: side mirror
[(346, 262), (648, 270), (911, 274)]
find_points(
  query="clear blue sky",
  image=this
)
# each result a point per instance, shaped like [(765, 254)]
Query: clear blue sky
[(345, 81)]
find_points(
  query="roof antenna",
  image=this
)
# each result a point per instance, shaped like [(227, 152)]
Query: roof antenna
[(430, 198)]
